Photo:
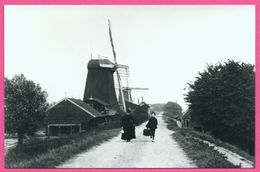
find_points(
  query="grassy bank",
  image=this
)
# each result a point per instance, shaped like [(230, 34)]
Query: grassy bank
[(202, 155), (54, 157), (217, 142), (220, 143)]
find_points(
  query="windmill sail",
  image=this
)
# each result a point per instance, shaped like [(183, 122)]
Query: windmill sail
[(116, 65)]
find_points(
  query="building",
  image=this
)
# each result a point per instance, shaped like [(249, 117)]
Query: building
[(186, 119), (188, 122), (99, 105), (100, 82), (70, 116)]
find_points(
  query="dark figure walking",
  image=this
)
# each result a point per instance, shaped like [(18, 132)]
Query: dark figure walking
[(152, 125), (128, 124)]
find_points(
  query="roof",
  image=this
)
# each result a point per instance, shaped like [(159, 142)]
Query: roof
[(98, 100), (133, 106), (144, 104), (100, 63), (84, 106), (64, 122), (186, 114)]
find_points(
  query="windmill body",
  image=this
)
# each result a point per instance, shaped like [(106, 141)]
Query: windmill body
[(100, 82), (99, 105)]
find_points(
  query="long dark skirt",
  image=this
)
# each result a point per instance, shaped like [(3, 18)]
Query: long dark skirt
[(129, 133)]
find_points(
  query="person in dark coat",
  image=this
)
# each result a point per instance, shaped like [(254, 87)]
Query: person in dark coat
[(128, 124), (152, 125)]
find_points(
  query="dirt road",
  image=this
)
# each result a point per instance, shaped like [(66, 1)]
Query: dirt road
[(164, 152)]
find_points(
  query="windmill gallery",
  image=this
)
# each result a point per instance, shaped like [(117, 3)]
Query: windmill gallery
[(100, 105)]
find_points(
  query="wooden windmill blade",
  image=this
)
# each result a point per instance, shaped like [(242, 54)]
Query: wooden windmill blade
[(123, 66), (116, 66)]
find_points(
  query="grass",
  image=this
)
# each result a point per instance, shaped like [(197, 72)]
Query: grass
[(54, 157), (222, 144), (35, 158), (203, 155)]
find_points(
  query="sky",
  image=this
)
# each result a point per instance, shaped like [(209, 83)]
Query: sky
[(164, 46)]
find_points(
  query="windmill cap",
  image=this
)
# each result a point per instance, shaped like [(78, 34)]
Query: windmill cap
[(100, 63)]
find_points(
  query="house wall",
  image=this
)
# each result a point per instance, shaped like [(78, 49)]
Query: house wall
[(65, 112), (63, 130), (187, 122)]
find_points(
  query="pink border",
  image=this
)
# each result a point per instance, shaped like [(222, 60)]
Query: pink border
[(126, 2)]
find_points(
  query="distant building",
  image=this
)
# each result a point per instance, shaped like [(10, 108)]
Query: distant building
[(141, 108), (187, 121)]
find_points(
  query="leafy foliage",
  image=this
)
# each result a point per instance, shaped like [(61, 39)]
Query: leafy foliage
[(25, 103), (173, 109), (157, 107), (222, 101)]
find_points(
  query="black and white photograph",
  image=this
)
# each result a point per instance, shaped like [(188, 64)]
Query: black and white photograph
[(129, 86)]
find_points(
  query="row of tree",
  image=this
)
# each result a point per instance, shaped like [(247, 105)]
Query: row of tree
[(222, 101)]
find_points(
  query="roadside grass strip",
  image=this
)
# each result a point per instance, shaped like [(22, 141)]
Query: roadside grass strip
[(56, 156), (217, 142), (202, 154), (231, 156)]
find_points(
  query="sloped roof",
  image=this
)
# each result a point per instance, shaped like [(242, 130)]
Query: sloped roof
[(84, 106), (99, 101), (137, 108), (144, 104), (186, 114)]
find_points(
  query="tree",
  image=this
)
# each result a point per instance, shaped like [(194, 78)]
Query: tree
[(25, 104), (157, 107), (173, 109), (222, 101)]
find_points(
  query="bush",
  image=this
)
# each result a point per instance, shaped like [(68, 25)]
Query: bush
[(222, 100), (173, 109)]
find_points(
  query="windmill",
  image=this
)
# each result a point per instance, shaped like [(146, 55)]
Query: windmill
[(122, 70), (116, 67), (124, 73)]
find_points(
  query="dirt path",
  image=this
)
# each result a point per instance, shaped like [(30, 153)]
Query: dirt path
[(139, 153)]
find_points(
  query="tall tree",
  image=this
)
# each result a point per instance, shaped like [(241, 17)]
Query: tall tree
[(222, 100), (173, 109), (25, 103)]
